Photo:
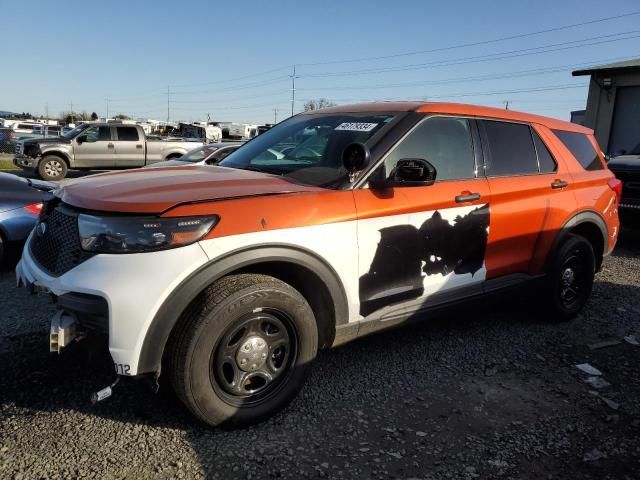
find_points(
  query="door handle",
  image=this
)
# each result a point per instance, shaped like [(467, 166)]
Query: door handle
[(138, 146), (559, 184), (110, 145), (467, 197)]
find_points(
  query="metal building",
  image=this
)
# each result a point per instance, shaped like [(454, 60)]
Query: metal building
[(613, 106)]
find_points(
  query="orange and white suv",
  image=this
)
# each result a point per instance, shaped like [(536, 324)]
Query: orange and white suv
[(331, 225)]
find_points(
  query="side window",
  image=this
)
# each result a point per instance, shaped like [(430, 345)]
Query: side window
[(98, 134), (127, 134), (508, 149), (581, 148), (445, 142), (545, 159)]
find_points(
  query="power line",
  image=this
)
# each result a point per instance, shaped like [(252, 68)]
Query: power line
[(476, 78), (403, 54), (545, 88), (474, 44), (482, 58)]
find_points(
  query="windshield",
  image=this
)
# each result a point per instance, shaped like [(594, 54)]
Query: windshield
[(308, 148), (198, 154), (72, 133)]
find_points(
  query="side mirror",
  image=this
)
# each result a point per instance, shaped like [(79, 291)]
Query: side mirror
[(81, 138), (355, 157), (409, 172)]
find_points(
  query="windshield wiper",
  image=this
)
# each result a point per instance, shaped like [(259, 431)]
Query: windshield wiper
[(261, 170)]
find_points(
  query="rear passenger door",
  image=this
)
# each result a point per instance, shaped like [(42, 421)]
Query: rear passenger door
[(530, 195), (416, 243), (129, 147)]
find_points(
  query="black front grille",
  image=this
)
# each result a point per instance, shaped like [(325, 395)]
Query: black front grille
[(56, 247)]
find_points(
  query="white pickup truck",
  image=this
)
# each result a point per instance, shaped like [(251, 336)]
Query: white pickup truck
[(96, 146)]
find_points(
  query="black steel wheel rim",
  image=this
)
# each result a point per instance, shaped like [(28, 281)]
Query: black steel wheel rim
[(574, 279), (252, 360)]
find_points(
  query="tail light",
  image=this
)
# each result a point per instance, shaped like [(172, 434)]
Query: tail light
[(34, 208), (616, 186)]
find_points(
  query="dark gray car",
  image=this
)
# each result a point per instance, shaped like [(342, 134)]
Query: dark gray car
[(20, 204)]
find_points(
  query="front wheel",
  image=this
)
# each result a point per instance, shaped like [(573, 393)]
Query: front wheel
[(242, 349), (570, 278), (52, 168)]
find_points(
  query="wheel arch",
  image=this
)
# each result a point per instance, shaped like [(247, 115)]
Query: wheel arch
[(55, 153), (588, 224), (316, 280), (173, 155)]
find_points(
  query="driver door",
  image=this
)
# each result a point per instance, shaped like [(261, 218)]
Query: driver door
[(418, 243), (94, 148)]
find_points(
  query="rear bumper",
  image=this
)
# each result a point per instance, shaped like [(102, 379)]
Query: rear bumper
[(118, 294)]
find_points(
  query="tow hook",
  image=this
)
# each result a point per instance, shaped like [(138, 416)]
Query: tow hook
[(104, 393), (63, 331)]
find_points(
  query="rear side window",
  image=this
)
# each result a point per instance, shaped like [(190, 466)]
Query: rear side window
[(508, 148), (581, 148), (546, 161), (127, 134)]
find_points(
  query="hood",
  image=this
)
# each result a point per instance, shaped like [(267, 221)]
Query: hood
[(155, 190), (624, 162), (41, 141)]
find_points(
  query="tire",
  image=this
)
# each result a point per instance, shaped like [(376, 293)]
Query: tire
[(570, 280), (236, 334), (52, 167), (3, 252)]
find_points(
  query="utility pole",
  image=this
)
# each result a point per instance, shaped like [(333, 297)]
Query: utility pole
[(46, 111), (71, 105), (293, 89), (107, 115), (275, 116), (168, 108)]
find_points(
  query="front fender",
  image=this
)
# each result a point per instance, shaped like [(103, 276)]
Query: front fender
[(167, 316)]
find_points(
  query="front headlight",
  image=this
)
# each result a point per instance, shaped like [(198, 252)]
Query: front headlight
[(140, 234)]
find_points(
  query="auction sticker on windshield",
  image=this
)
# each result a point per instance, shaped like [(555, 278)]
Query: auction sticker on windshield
[(356, 126)]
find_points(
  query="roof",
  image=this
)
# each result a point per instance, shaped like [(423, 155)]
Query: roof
[(456, 109), (633, 64)]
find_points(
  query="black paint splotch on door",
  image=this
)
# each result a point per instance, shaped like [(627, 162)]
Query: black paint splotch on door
[(396, 272)]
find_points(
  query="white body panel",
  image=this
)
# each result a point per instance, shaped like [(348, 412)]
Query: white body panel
[(136, 285)]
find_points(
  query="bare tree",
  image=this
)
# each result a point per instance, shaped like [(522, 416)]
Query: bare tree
[(318, 104)]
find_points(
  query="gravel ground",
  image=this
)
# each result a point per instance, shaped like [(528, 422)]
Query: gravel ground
[(482, 392)]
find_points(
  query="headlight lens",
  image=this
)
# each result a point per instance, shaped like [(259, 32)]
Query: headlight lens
[(140, 234)]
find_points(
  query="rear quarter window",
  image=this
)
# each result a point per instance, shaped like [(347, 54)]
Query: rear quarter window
[(581, 148)]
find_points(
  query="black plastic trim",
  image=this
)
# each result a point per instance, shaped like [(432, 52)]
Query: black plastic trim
[(170, 311), (586, 216), (92, 311)]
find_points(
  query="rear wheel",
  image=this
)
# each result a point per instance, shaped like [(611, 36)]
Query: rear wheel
[(242, 349), (570, 278), (52, 167)]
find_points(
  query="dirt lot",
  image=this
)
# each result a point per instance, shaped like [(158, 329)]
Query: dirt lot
[(488, 392)]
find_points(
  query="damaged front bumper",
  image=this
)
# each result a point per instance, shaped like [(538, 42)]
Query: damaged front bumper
[(115, 295), (25, 162)]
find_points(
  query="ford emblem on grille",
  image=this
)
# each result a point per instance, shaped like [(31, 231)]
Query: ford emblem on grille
[(42, 229)]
